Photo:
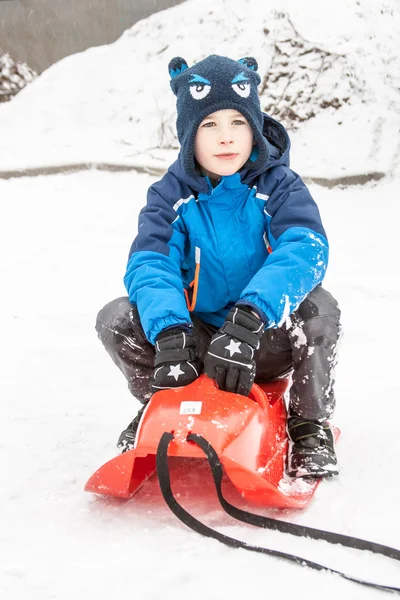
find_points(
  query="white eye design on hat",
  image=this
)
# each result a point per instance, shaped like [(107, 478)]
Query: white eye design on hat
[(241, 85), (199, 87)]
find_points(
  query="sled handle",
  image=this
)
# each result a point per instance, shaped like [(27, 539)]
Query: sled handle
[(260, 397), (267, 394)]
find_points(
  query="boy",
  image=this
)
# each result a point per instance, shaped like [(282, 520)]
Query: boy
[(224, 274)]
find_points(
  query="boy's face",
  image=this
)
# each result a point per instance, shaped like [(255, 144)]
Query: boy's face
[(223, 143)]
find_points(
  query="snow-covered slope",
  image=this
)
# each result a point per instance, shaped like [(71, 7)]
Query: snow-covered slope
[(113, 105)]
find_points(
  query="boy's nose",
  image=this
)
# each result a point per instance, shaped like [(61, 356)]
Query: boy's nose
[(225, 136)]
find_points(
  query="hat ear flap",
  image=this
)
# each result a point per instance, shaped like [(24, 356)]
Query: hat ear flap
[(249, 62), (176, 66)]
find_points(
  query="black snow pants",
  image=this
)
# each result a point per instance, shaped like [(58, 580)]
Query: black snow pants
[(305, 345)]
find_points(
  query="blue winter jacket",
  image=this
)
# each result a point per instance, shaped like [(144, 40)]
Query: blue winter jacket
[(257, 238)]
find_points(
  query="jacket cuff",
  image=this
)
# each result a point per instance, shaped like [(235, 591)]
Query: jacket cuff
[(177, 328), (255, 309)]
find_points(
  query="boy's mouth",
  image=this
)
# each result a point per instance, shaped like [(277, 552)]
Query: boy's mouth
[(227, 155)]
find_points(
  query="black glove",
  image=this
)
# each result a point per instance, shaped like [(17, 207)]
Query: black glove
[(176, 362), (229, 359)]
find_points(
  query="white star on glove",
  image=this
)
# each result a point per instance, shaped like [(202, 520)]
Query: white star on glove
[(233, 347), (175, 371)]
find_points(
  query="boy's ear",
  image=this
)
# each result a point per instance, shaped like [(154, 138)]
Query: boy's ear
[(249, 62), (176, 66)]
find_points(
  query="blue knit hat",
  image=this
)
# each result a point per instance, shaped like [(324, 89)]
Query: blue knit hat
[(216, 83)]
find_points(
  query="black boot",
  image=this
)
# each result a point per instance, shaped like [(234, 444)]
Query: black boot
[(126, 440), (312, 448)]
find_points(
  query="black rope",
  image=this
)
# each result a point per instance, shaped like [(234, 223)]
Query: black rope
[(193, 523), (283, 526)]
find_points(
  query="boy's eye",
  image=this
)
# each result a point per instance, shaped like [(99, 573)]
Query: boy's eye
[(242, 89), (213, 124), (199, 90)]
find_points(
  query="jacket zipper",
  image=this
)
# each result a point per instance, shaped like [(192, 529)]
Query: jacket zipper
[(195, 283)]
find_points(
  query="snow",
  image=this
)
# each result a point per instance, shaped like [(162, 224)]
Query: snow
[(64, 243)]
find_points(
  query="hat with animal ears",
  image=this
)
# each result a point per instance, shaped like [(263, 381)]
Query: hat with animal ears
[(216, 83)]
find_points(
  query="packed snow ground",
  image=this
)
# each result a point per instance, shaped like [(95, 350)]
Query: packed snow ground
[(64, 242)]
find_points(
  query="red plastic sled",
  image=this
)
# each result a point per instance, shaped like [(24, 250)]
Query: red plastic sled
[(248, 434)]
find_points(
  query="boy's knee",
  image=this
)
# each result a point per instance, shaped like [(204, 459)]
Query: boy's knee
[(319, 316), (114, 317), (319, 303)]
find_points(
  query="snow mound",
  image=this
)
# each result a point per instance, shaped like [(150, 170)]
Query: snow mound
[(331, 76), (302, 78)]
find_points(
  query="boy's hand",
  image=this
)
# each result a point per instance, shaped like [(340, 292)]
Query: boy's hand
[(230, 357), (176, 362)]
